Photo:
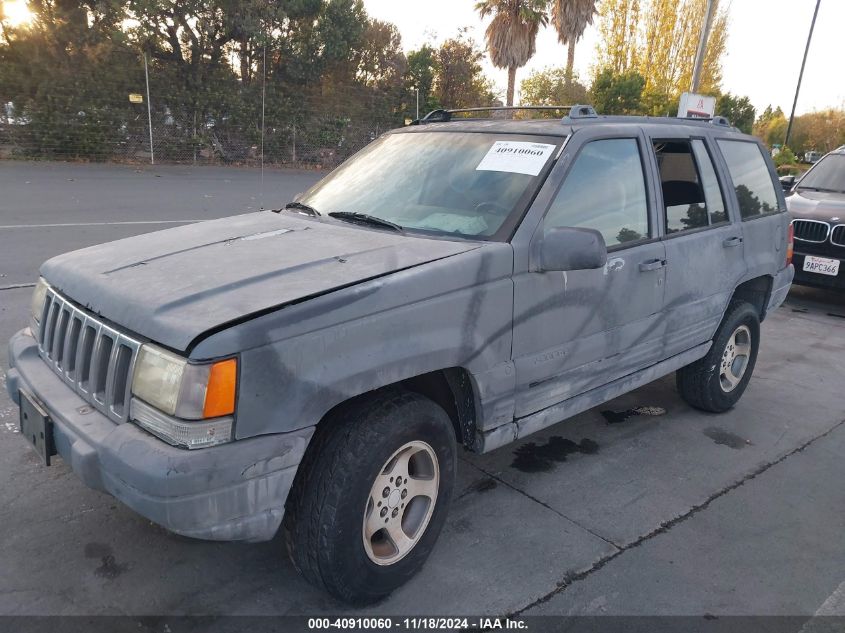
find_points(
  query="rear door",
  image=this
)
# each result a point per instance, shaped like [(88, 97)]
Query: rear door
[(577, 330), (704, 242), (760, 204)]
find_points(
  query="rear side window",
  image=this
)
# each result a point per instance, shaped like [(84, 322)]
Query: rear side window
[(604, 190), (755, 190), (692, 198)]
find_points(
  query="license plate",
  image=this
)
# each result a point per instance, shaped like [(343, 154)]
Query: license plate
[(821, 265), (37, 427)]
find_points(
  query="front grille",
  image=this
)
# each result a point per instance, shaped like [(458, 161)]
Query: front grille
[(93, 358), (811, 230), (837, 236)]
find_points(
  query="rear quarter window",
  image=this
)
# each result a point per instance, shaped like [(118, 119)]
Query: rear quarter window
[(751, 178)]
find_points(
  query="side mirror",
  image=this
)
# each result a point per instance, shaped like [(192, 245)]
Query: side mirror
[(787, 182), (572, 249)]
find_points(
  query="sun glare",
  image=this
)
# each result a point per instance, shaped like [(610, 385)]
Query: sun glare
[(16, 12)]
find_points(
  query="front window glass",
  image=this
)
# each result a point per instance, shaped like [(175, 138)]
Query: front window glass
[(827, 175), (463, 184), (752, 181), (604, 190)]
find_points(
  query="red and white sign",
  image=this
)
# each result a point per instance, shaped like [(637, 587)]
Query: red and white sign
[(695, 106)]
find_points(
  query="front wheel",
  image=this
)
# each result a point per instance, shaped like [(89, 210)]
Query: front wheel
[(716, 382), (371, 495)]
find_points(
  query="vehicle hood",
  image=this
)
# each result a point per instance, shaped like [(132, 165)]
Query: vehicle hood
[(817, 205), (171, 286)]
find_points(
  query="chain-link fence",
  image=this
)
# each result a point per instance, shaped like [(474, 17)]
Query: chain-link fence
[(106, 118)]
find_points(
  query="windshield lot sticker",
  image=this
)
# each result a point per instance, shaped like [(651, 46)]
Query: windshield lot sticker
[(518, 157)]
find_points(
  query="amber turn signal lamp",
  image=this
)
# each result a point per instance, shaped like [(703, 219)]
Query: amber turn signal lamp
[(220, 392), (790, 244)]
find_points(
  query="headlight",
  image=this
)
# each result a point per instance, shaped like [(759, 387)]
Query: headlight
[(184, 392), (39, 295)]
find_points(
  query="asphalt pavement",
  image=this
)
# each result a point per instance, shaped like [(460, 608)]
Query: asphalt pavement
[(641, 506)]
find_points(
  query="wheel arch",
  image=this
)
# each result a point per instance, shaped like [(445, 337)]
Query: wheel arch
[(755, 291), (451, 388)]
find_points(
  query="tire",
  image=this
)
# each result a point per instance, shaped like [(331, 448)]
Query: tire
[(330, 504), (716, 382)]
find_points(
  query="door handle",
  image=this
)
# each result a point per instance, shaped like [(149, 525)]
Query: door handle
[(732, 241), (652, 264)]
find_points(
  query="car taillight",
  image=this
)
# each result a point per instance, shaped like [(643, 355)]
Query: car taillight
[(790, 243)]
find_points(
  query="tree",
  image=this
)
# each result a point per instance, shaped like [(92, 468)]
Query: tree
[(771, 126), (420, 75), (658, 39), (460, 81), (334, 78), (738, 111), (549, 87), (617, 93), (380, 60), (618, 26), (512, 34), (821, 131), (570, 19)]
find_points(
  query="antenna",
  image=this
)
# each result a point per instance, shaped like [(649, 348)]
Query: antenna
[(263, 95)]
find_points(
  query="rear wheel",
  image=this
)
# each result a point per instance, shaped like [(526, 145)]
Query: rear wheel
[(371, 495), (716, 382)]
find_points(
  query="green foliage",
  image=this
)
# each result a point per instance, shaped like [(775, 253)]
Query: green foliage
[(333, 78), (821, 131), (659, 39), (770, 126), (511, 35), (549, 87), (617, 93), (785, 157), (420, 75), (460, 81), (738, 111)]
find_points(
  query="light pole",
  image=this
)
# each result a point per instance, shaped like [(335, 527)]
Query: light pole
[(149, 110), (418, 103), (801, 74), (702, 46)]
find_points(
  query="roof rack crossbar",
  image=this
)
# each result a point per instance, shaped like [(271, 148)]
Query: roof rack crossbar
[(443, 115)]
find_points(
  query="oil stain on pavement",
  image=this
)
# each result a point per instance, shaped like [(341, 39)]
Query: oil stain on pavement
[(726, 438), (536, 458), (485, 484), (109, 568)]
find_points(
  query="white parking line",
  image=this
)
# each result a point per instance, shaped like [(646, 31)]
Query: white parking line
[(43, 226), (821, 622), (835, 604)]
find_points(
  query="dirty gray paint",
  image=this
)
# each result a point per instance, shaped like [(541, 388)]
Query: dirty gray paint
[(320, 312)]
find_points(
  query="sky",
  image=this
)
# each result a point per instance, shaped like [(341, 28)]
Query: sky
[(765, 45)]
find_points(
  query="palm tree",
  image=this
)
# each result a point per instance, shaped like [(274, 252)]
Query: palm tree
[(512, 35), (570, 18)]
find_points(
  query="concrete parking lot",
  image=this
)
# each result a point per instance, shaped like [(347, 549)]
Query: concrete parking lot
[(619, 511)]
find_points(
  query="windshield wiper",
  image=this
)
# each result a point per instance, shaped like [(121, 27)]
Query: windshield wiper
[(299, 207), (363, 218), (822, 189)]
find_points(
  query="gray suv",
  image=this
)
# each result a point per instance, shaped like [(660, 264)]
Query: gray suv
[(459, 282)]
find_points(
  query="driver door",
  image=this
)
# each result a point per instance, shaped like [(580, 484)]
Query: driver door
[(578, 330)]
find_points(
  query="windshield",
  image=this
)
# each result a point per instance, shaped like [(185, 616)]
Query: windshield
[(463, 184), (827, 175)]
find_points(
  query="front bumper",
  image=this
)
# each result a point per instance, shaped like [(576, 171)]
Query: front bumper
[(231, 492), (817, 280)]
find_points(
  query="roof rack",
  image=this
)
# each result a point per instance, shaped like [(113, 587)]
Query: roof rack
[(444, 116), (713, 120)]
